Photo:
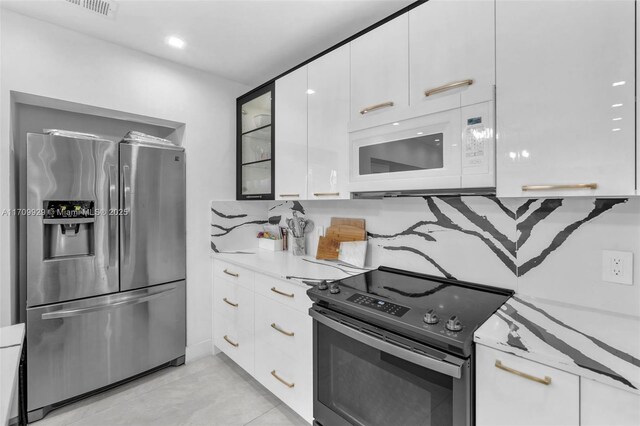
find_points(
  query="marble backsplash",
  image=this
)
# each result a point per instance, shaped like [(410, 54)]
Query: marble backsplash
[(546, 248)]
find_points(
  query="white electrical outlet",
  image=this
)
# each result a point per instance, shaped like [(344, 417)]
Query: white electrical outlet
[(617, 267)]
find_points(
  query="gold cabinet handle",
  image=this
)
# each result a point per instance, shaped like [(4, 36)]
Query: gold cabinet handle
[(281, 380), (546, 381), (365, 110), (326, 194), (286, 333), (556, 187), (233, 274), (289, 195), (235, 305), (275, 290), (448, 86), (235, 345)]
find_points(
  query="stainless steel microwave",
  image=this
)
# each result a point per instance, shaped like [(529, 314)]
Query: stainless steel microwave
[(450, 151)]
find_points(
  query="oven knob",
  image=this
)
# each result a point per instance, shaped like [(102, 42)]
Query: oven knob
[(431, 317), (323, 285), (454, 324), (334, 289)]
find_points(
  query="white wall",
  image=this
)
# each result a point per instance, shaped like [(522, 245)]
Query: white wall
[(47, 60)]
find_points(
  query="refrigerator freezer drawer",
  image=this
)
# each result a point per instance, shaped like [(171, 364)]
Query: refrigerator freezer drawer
[(81, 346)]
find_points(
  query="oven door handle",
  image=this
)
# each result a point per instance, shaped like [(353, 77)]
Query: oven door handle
[(432, 363)]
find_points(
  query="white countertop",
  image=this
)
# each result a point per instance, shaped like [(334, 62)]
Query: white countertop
[(283, 265), (598, 345), (11, 339)]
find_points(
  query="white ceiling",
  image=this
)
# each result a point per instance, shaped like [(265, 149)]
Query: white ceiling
[(250, 41)]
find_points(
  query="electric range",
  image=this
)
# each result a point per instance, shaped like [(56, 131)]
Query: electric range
[(396, 347)]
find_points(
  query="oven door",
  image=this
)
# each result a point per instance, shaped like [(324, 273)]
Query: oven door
[(413, 154), (361, 378)]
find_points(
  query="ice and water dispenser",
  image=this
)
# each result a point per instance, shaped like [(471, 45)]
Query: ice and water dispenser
[(68, 228)]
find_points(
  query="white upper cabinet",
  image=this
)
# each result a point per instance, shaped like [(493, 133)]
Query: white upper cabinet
[(291, 136), (565, 76), (451, 54), (379, 70), (328, 102)]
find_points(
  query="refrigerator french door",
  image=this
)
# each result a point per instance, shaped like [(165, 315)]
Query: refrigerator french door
[(152, 234), (106, 254)]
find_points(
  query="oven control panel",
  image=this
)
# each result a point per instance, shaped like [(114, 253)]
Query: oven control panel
[(379, 305)]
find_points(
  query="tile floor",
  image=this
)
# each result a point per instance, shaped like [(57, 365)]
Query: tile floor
[(209, 391)]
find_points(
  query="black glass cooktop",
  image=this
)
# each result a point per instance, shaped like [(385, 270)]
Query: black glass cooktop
[(419, 305)]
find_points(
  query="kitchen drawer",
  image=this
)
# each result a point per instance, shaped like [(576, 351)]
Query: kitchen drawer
[(283, 328), (236, 342), (232, 273), (289, 378), (288, 293), (519, 396), (234, 303)]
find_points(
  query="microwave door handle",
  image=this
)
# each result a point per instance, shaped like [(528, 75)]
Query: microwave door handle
[(111, 215), (431, 363)]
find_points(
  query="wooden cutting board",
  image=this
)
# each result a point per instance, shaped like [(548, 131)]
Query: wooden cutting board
[(328, 248), (346, 233), (349, 221)]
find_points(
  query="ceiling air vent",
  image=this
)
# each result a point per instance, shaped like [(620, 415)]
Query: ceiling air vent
[(102, 7)]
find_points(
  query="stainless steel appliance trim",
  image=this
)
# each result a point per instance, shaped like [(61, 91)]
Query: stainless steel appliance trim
[(68, 221), (448, 86), (431, 363), (113, 219), (153, 145), (126, 205), (556, 187), (105, 306)]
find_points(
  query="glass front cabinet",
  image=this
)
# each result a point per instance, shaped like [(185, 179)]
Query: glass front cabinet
[(255, 148)]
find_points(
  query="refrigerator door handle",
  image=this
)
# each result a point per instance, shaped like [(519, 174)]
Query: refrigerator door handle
[(113, 217), (65, 313), (126, 201)]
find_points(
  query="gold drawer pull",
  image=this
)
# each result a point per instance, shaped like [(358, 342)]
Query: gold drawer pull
[(365, 110), (326, 194), (552, 187), (235, 345), (275, 290), (546, 381), (233, 274), (289, 195), (235, 305), (281, 380), (286, 333), (448, 86)]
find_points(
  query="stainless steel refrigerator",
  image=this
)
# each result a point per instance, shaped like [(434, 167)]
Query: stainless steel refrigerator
[(105, 281)]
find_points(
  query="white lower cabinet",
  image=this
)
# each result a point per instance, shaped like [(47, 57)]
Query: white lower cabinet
[(268, 332), (233, 322), (283, 354), (603, 405), (516, 395)]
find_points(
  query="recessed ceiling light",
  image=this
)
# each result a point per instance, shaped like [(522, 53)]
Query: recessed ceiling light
[(616, 105), (310, 91), (617, 119), (174, 41), (619, 83), (396, 124)]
